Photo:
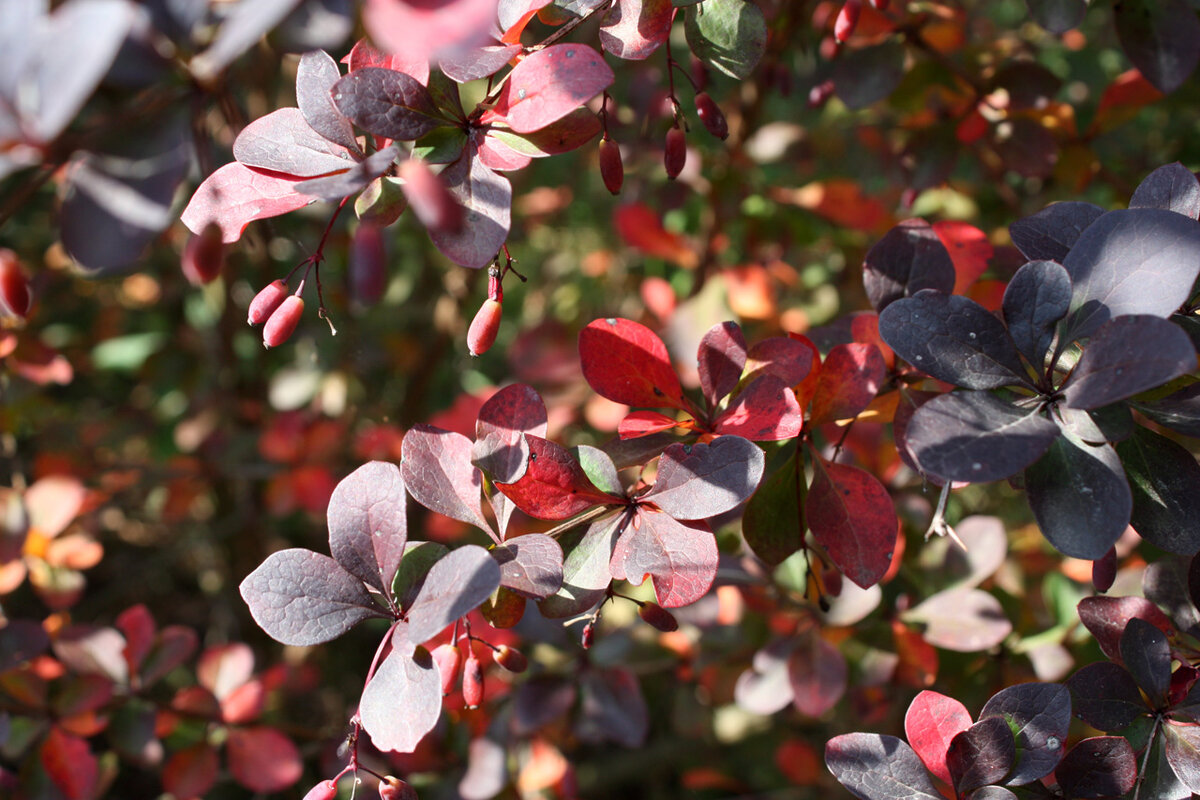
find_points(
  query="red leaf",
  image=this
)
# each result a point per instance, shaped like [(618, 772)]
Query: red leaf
[(549, 84), (633, 29), (851, 515), (1106, 618), (70, 764), (627, 363), (554, 486), (790, 358), (139, 629), (191, 772), (495, 154), (263, 759), (969, 249), (807, 387), (864, 329), (680, 556), (644, 423), (817, 673), (765, 411), (642, 229), (235, 195), (931, 722), (850, 377)]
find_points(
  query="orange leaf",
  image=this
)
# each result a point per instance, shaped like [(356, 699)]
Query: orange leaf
[(642, 229), (969, 249)]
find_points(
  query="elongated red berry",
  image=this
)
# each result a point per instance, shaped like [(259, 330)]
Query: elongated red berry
[(1104, 571), (430, 199), (472, 682), (847, 20), (283, 321), (511, 659), (203, 256), (266, 301), (325, 790), (611, 168), (711, 116), (448, 659), (675, 152), (482, 333), (589, 635), (15, 298), (658, 617), (392, 788)]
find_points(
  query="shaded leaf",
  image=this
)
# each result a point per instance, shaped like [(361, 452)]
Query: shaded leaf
[(1036, 298), (1171, 186), (681, 557), (790, 359), (1039, 715), (1051, 233), (353, 180), (1147, 655), (699, 481), (1102, 766), (876, 767), (387, 103), (283, 142), (438, 472), (600, 469), (729, 35), (765, 688), (865, 75), (1057, 16), (612, 707), (982, 754), (773, 523), (235, 195), (402, 701), (549, 84), (500, 447), (368, 526), (262, 759), (1106, 618), (1161, 38), (315, 77), (531, 565), (633, 29), (419, 558), (962, 619), (486, 200), (554, 486), (1182, 747), (1127, 355), (817, 674), (721, 358), (850, 377), (931, 722), (1164, 479), (457, 583), (627, 363), (468, 65), (1106, 696), (909, 258), (851, 515), (569, 133), (586, 573), (1179, 411)]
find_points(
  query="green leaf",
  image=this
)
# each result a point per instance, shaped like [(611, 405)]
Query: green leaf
[(729, 35), (773, 524)]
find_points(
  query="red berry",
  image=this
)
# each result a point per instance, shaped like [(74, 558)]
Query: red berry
[(325, 790), (847, 20), (482, 333), (881, 5), (611, 168), (710, 114), (511, 659), (266, 301), (430, 199), (675, 152), (203, 256), (589, 635), (472, 682), (1104, 571), (448, 658), (391, 788), (283, 321), (819, 95), (15, 299), (658, 617), (367, 269)]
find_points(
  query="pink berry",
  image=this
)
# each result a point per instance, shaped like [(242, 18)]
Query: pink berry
[(283, 321), (266, 301), (847, 20), (325, 790), (448, 658), (472, 682), (511, 659), (658, 617), (482, 333)]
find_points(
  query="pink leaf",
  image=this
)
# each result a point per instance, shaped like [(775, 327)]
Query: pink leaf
[(282, 141), (765, 411), (549, 84), (225, 668), (817, 673), (235, 195), (931, 722), (422, 29), (263, 759), (486, 199), (681, 557), (495, 154), (439, 474), (52, 502), (627, 363), (851, 515), (403, 701), (644, 423), (634, 29)]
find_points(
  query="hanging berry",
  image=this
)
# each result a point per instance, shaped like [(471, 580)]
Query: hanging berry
[(711, 116), (482, 333), (675, 152), (612, 171)]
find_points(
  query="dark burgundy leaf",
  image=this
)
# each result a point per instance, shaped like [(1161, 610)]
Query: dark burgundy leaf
[(931, 722), (368, 525), (952, 338), (992, 793), (175, 645), (791, 360), (1127, 355), (721, 357), (681, 557), (353, 180), (456, 584), (1165, 480), (817, 674), (1051, 233), (1057, 16), (387, 103), (1106, 618), (586, 575), (1182, 746), (909, 258), (627, 363), (1179, 411), (1147, 656), (419, 558), (1106, 696), (865, 75), (766, 687), (20, 641), (1159, 779), (1161, 38), (773, 523), (1194, 580), (1103, 766), (539, 701), (300, 597), (439, 474), (980, 755), (283, 142), (262, 759), (612, 707), (1036, 298), (549, 84), (500, 447), (851, 515), (1027, 148), (248, 22), (1164, 583), (976, 437), (962, 619), (876, 767), (600, 469), (403, 700), (1131, 261), (1173, 187), (633, 29), (486, 200), (192, 771), (235, 195), (531, 565), (315, 77), (554, 486), (464, 66), (1080, 497), (1039, 715), (699, 481), (850, 377)]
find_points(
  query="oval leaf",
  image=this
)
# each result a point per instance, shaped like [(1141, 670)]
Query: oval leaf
[(531, 565), (851, 515), (368, 526), (721, 358), (931, 722), (1125, 356), (1080, 497), (438, 472), (235, 195), (486, 200), (554, 486), (877, 767), (456, 584), (1165, 480), (680, 556), (283, 142), (1039, 715), (699, 481), (1051, 233), (909, 258), (549, 84), (387, 103), (402, 702), (1036, 298), (626, 362), (962, 619)]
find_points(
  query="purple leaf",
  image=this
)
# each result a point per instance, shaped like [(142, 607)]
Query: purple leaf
[(703, 480), (387, 103), (952, 338), (909, 258), (368, 526), (1106, 618), (1039, 715), (1164, 583), (852, 516), (976, 437), (1173, 187), (788, 359), (877, 767), (503, 457), (531, 565), (439, 474), (1102, 766), (1147, 656), (980, 755), (765, 411), (1132, 261), (612, 707), (1125, 356), (549, 84), (865, 75), (817, 674), (455, 585), (765, 688), (1057, 16), (1160, 37), (464, 66), (1179, 411), (1050, 234), (680, 556), (1165, 480), (353, 180), (1182, 746), (248, 22), (235, 195), (586, 574), (315, 77), (20, 641), (403, 700), (1036, 298), (1080, 497), (773, 523), (539, 701), (633, 29), (965, 620), (500, 447), (486, 199), (283, 142), (721, 357), (300, 597), (1106, 696)]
